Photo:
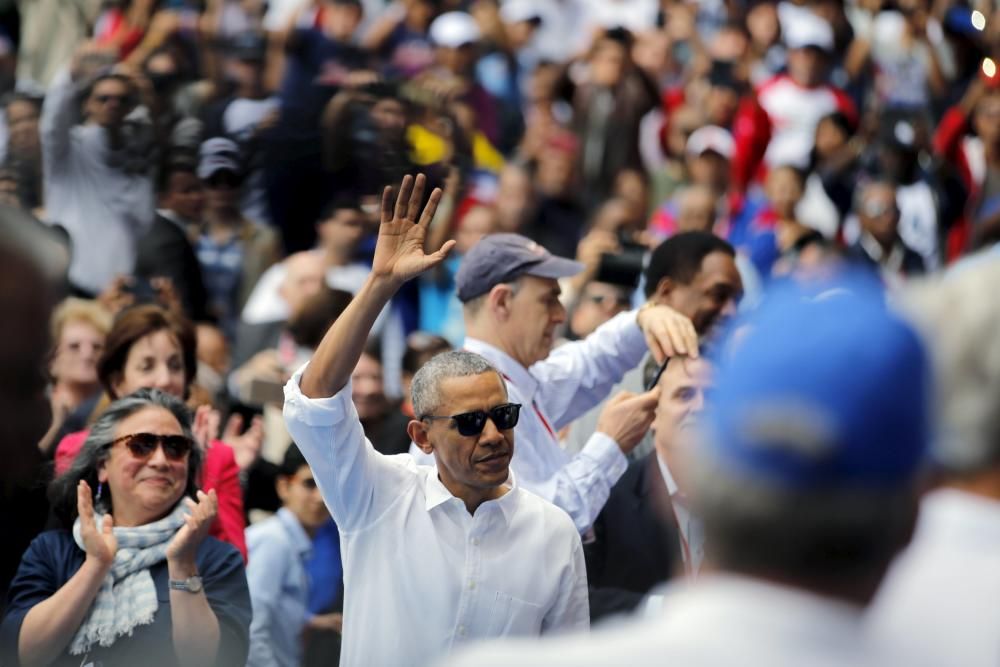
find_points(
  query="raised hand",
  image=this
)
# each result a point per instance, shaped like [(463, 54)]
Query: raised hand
[(184, 545), (246, 446), (399, 252), (99, 544)]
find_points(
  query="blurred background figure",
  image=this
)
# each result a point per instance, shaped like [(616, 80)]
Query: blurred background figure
[(955, 534), (79, 328)]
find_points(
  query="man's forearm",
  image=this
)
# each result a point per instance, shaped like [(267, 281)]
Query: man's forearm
[(340, 349)]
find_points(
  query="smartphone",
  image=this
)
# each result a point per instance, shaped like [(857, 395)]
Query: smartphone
[(143, 291)]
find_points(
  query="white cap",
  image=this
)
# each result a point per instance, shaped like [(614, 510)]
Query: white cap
[(803, 28), (516, 11), (711, 138), (454, 29)]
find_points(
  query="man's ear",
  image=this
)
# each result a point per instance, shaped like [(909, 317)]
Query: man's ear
[(499, 301), (417, 430), (281, 485), (664, 288)]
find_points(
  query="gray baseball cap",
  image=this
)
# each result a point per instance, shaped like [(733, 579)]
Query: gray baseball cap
[(501, 258)]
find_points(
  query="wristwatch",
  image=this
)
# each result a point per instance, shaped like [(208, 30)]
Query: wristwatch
[(191, 584)]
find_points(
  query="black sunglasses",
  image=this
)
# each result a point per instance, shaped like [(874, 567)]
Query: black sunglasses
[(142, 445), (472, 423), (104, 99)]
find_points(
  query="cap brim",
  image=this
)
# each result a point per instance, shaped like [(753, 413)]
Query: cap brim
[(554, 267)]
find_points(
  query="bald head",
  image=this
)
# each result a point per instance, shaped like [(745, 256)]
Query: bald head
[(304, 277)]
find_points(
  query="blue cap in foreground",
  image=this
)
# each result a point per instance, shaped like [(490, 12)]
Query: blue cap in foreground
[(821, 386)]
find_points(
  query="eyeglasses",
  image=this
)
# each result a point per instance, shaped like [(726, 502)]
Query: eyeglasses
[(142, 445), (223, 179), (875, 209), (472, 423), (308, 484), (104, 99)]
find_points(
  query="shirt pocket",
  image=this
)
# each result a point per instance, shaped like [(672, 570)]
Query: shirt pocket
[(511, 617)]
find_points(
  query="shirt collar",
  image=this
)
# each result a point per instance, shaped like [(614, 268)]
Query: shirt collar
[(436, 493), (893, 261), (296, 533), (960, 516), (667, 477), (174, 218), (510, 368)]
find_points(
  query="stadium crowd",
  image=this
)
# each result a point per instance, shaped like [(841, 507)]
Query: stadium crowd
[(371, 330)]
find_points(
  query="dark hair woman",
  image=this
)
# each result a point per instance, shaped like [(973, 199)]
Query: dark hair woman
[(149, 347), (133, 577)]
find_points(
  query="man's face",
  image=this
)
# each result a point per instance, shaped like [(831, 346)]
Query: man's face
[(879, 215), (475, 463), (305, 278), (108, 103), (185, 195), (300, 495), (367, 389), (807, 66), (987, 118), (709, 169), (682, 398), (598, 303), (22, 122), (721, 104), (710, 297), (535, 312), (342, 231), (389, 115), (607, 64)]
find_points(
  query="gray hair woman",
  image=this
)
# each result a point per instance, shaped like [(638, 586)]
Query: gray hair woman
[(138, 580)]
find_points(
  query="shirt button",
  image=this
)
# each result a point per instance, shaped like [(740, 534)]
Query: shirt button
[(461, 631), (472, 585), (475, 541)]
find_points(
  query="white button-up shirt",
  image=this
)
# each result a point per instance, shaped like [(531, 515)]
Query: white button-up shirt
[(940, 599), (554, 392), (718, 621), (421, 573)]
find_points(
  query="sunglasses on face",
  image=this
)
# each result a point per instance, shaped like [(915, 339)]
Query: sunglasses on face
[(104, 99), (142, 445), (472, 423), (223, 179)]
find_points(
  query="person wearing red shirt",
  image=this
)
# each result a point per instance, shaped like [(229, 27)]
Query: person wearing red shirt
[(149, 347)]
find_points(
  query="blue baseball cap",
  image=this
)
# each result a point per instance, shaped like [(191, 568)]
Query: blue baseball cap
[(501, 258), (822, 386)]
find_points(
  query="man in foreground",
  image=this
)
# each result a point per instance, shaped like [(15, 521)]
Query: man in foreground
[(432, 556), (804, 476)]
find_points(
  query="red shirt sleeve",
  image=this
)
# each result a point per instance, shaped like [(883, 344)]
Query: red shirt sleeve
[(222, 474), (67, 449), (751, 133)]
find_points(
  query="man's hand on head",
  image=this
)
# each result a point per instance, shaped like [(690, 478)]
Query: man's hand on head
[(627, 417), (668, 333)]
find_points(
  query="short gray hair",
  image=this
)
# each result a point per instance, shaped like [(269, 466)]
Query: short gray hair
[(425, 391), (959, 316), (824, 537), (95, 450)]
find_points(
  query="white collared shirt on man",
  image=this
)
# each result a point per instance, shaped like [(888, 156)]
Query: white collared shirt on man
[(720, 620), (940, 598), (421, 574), (553, 393)]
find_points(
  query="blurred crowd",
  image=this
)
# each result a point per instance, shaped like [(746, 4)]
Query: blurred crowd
[(192, 193)]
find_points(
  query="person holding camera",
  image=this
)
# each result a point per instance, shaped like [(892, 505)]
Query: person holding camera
[(97, 174)]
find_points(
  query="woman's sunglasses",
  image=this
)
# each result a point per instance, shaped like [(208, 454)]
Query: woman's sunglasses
[(472, 423), (142, 445)]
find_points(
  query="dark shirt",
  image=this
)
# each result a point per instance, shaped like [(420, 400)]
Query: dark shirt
[(53, 558), (316, 68), (388, 434)]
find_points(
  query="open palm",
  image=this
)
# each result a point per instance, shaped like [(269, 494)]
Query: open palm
[(399, 252)]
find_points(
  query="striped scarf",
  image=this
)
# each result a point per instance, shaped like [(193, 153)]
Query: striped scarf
[(127, 597)]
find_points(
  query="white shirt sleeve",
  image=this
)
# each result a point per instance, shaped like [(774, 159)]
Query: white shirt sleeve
[(580, 487), (58, 116), (358, 483), (577, 376)]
